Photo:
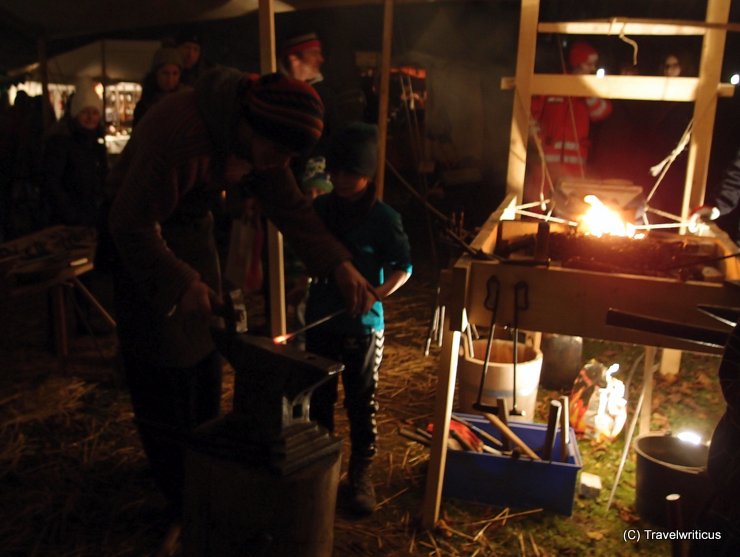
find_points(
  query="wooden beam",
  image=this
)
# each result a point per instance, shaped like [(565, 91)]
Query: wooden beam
[(637, 26), (275, 267), (634, 87), (526, 48), (705, 107), (385, 85)]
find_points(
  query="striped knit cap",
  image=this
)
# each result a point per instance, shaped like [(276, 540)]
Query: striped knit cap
[(286, 111)]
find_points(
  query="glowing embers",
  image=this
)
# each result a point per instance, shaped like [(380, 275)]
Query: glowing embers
[(600, 220)]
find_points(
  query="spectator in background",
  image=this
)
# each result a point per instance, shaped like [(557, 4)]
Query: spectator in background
[(23, 207), (163, 78), (671, 66), (188, 42), (301, 57), (563, 125), (75, 161)]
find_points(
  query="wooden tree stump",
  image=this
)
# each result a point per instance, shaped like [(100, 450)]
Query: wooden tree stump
[(233, 509)]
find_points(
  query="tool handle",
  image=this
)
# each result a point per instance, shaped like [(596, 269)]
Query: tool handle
[(502, 411), (564, 428), (552, 424), (513, 437), (463, 442), (478, 431)]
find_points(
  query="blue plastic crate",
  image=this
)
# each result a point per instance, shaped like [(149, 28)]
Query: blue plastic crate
[(517, 483)]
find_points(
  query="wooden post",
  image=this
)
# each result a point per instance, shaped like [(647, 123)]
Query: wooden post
[(385, 84), (275, 267), (46, 109), (522, 97), (267, 36), (705, 107), (670, 361), (447, 373), (103, 80), (59, 323)]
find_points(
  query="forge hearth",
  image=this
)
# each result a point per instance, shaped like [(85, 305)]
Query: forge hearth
[(659, 254), (576, 280)]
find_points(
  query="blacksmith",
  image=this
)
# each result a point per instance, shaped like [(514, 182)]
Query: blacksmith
[(230, 129)]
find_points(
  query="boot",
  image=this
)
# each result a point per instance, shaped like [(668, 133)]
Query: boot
[(361, 499)]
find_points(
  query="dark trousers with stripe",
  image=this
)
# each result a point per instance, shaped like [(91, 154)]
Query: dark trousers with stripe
[(361, 356)]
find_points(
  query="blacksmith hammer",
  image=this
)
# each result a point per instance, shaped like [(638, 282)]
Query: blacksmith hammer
[(233, 311)]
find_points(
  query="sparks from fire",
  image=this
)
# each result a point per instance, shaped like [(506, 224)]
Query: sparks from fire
[(600, 220)]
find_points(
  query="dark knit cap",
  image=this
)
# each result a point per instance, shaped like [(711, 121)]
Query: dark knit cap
[(166, 55), (354, 148), (188, 36), (286, 111)]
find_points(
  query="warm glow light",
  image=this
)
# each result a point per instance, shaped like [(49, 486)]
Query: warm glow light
[(735, 79), (280, 339), (689, 437), (600, 220), (601, 72)]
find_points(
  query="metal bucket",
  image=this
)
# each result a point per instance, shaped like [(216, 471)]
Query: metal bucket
[(562, 358), (666, 465)]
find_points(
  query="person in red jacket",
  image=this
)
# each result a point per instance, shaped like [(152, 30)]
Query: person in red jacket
[(562, 124)]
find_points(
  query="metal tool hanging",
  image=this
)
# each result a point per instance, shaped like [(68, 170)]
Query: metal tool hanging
[(521, 303), (493, 287)]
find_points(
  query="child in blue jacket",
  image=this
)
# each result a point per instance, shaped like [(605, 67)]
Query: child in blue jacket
[(374, 234)]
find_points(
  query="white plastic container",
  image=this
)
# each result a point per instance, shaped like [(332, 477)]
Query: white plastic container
[(500, 376)]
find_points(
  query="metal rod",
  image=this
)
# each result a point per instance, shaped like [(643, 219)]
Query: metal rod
[(284, 339), (546, 217), (701, 261), (700, 335), (627, 443), (660, 225)]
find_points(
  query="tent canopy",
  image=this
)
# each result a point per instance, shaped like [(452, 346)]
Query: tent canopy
[(109, 61), (66, 24)]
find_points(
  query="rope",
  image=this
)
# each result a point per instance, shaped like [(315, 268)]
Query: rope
[(535, 135), (663, 166), (626, 39)]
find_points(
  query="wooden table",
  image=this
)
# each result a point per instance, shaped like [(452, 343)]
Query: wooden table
[(51, 261)]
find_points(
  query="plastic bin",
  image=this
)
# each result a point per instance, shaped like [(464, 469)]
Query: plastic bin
[(517, 483)]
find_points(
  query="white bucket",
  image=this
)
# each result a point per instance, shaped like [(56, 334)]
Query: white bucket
[(500, 376)]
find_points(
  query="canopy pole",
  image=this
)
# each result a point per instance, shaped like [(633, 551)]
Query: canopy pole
[(103, 80), (385, 84), (46, 108), (275, 267)]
